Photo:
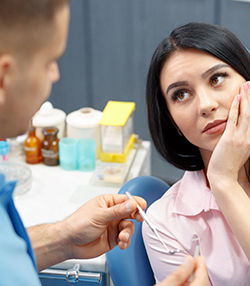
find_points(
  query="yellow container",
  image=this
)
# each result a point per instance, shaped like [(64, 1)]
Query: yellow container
[(117, 128)]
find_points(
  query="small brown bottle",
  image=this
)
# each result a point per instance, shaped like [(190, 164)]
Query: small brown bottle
[(50, 148), (32, 147)]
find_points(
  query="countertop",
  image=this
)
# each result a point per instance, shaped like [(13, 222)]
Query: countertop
[(56, 193)]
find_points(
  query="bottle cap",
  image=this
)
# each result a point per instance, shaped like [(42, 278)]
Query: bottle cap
[(50, 131), (85, 117), (47, 115)]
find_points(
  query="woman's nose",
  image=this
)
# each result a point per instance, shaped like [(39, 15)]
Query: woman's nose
[(207, 103)]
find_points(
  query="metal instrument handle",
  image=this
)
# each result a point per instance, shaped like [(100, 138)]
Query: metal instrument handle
[(72, 275)]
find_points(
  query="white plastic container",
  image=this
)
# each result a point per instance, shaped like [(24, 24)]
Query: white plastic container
[(47, 116), (84, 123)]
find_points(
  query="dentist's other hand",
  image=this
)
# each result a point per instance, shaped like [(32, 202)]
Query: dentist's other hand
[(180, 277)]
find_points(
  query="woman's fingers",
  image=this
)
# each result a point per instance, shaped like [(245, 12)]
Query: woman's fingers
[(234, 112), (244, 110), (237, 132)]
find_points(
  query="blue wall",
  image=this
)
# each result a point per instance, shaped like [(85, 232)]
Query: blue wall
[(110, 46)]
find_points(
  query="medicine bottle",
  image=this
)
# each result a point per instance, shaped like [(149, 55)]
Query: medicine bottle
[(4, 151), (32, 147), (50, 149)]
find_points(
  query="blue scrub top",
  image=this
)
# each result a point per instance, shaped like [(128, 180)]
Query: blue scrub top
[(17, 261)]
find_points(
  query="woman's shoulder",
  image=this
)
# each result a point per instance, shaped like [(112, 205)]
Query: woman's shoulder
[(186, 188), (165, 202)]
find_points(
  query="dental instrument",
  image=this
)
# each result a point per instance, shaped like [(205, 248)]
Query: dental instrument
[(144, 216)]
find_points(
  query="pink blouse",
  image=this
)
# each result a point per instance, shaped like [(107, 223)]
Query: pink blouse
[(188, 214)]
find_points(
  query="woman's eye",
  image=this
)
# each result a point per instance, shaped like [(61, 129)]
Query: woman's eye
[(180, 95), (217, 79)]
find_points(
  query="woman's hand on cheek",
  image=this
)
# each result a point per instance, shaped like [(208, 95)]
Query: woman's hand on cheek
[(233, 148)]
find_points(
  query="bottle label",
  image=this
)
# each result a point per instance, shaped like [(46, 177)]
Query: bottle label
[(49, 153), (30, 149)]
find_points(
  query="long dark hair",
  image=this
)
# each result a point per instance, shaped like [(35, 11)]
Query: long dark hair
[(209, 38)]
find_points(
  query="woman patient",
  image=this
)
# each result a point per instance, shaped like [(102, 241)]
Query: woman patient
[(198, 102)]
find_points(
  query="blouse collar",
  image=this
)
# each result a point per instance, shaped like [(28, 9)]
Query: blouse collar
[(193, 195)]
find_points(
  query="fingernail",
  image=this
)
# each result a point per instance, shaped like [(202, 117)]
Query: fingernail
[(238, 97), (129, 205), (127, 236), (245, 86)]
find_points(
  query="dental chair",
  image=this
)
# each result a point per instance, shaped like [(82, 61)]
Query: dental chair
[(131, 267)]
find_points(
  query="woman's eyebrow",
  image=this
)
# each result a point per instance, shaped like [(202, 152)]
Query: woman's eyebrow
[(204, 75), (213, 69), (176, 84)]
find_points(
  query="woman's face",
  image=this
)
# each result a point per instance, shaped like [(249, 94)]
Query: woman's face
[(199, 89)]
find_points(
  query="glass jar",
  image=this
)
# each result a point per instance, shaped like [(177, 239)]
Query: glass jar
[(50, 149), (32, 147)]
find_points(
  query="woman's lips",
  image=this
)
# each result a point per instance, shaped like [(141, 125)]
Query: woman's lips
[(214, 127)]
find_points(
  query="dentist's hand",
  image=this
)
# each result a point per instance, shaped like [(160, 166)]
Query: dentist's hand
[(101, 224), (95, 228)]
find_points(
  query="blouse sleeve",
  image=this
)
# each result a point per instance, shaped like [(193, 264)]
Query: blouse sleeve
[(174, 236)]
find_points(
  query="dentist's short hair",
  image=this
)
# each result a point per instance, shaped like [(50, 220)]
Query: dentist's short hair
[(23, 22)]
